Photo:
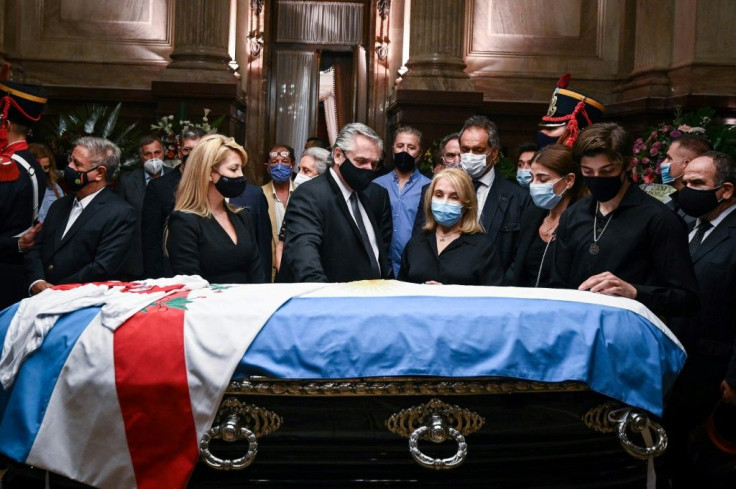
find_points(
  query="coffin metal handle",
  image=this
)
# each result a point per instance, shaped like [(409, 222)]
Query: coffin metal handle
[(438, 432), (640, 423), (437, 422), (238, 421), (612, 417)]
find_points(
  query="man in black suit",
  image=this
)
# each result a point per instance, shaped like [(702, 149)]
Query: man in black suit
[(709, 375), (86, 234), (338, 225), (500, 202), (681, 152), (22, 185), (132, 189)]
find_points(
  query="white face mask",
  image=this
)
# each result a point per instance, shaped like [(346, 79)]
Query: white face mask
[(300, 179), (474, 165), (153, 166)]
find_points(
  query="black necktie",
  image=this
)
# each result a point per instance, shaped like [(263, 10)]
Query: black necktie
[(698, 238), (477, 185), (364, 234)]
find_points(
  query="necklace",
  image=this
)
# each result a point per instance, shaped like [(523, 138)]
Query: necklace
[(594, 248), (443, 238), (547, 232)]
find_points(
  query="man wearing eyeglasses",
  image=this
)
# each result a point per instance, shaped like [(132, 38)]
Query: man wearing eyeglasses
[(280, 165), (86, 234), (158, 203), (449, 157)]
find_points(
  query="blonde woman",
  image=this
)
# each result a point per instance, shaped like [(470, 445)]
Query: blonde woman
[(206, 235), (452, 249)]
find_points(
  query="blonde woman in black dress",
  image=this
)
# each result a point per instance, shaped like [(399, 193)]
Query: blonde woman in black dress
[(206, 235)]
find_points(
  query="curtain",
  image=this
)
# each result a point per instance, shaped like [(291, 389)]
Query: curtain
[(327, 97), (296, 101)]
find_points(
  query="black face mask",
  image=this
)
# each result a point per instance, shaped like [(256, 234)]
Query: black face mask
[(404, 162), (603, 188), (357, 178), (544, 140), (76, 180), (696, 203), (230, 187)]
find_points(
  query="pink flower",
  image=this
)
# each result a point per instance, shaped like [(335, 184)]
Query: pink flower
[(645, 160), (684, 128), (649, 176), (675, 134), (665, 128), (653, 135), (654, 151)]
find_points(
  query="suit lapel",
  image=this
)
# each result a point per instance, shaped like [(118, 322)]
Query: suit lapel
[(494, 208), (87, 213), (344, 206), (66, 210), (719, 234)]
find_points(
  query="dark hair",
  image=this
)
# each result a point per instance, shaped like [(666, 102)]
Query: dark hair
[(146, 140), (320, 142), (694, 143), (606, 138), (288, 148), (725, 167), (487, 125), (525, 148), (558, 158), (447, 139), (192, 132)]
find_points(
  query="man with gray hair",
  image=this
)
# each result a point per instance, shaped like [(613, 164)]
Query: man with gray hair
[(86, 234), (338, 225)]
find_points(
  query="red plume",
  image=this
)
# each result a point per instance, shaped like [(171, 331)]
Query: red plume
[(563, 81)]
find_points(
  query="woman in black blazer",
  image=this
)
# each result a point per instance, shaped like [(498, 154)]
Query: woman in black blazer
[(452, 249), (556, 184), (206, 235)]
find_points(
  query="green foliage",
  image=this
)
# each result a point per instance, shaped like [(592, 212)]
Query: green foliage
[(97, 120)]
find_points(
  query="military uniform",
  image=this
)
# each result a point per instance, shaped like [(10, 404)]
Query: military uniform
[(20, 199)]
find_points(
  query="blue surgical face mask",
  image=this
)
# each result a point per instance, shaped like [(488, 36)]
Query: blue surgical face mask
[(446, 213), (524, 177), (667, 177), (280, 173), (543, 194)]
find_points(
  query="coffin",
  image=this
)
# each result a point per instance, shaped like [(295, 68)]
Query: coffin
[(375, 382)]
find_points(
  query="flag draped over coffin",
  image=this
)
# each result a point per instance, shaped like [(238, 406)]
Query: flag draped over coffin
[(126, 407)]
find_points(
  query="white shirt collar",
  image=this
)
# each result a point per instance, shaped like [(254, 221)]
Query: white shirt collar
[(85, 201), (488, 178), (346, 192), (715, 222)]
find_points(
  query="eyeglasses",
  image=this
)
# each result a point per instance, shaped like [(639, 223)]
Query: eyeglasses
[(275, 154)]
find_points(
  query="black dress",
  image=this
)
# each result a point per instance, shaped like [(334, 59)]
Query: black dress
[(200, 246), (525, 269), (469, 260), (644, 244)]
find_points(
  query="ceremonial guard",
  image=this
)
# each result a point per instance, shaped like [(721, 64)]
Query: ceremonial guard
[(569, 113), (22, 185)]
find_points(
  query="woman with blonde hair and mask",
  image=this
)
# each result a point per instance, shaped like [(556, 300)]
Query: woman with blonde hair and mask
[(206, 235), (452, 249)]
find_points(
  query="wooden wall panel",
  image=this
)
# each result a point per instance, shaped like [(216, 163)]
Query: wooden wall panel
[(74, 38), (533, 42)]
